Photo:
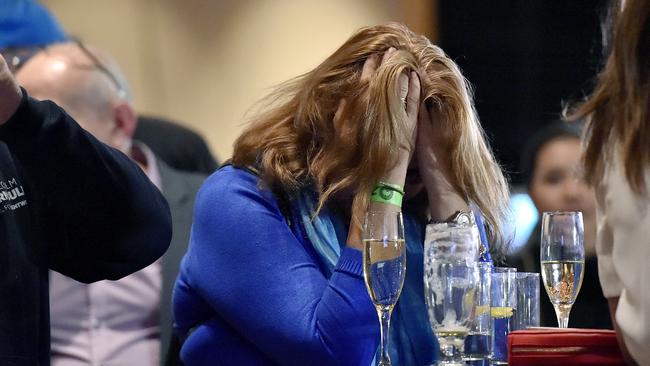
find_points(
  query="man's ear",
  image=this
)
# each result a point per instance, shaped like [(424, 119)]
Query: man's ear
[(125, 118)]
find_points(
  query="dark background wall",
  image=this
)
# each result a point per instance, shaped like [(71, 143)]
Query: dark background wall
[(524, 59)]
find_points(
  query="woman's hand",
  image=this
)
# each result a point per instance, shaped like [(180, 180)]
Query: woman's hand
[(409, 93), (434, 166), (10, 93)]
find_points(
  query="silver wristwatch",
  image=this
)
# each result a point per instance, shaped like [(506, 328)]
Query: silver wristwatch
[(467, 219), (459, 218)]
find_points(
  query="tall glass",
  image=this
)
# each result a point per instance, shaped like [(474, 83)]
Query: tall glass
[(451, 277), (384, 267), (527, 314), (562, 260), (503, 309), (478, 343)]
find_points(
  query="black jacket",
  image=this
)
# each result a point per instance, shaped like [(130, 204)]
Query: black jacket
[(71, 204)]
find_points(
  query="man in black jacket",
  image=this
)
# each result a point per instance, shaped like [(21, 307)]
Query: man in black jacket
[(67, 203), (125, 322)]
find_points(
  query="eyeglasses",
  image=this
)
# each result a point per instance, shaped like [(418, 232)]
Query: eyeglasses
[(100, 66), (17, 57)]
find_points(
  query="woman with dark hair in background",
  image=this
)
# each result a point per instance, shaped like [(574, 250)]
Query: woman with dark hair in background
[(551, 170), (617, 162), (273, 273)]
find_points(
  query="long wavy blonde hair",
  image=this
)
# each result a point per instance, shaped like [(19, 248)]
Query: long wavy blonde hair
[(295, 144)]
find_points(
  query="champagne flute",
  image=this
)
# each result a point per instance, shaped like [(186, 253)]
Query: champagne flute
[(562, 260), (384, 267)]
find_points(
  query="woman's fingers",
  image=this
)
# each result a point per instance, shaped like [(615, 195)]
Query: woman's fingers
[(413, 96), (424, 118), (403, 86), (369, 67), (372, 63), (387, 54)]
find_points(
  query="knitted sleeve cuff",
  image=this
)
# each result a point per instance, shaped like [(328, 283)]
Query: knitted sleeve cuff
[(350, 262)]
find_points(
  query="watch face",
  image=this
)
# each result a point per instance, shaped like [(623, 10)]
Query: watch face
[(464, 218)]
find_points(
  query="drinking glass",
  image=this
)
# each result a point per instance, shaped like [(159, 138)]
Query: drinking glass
[(562, 260), (527, 314), (451, 277), (384, 267), (503, 308), (478, 342)]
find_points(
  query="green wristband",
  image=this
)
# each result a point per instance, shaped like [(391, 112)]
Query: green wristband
[(394, 187), (387, 194)]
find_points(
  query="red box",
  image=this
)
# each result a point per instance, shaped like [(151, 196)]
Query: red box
[(554, 346)]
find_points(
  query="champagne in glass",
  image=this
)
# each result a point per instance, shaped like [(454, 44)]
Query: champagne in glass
[(384, 267), (562, 280), (562, 260)]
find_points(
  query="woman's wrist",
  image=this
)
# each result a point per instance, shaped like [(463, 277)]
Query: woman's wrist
[(443, 206), (354, 237), (444, 199), (396, 175)]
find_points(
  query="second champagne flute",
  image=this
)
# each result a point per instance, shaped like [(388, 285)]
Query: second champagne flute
[(384, 267), (562, 260)]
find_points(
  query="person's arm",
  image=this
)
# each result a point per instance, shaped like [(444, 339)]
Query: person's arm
[(246, 263), (98, 214), (609, 279)]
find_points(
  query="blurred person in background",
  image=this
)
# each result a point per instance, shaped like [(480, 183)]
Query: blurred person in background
[(273, 273), (617, 162), (178, 146), (552, 173), (121, 322), (26, 26)]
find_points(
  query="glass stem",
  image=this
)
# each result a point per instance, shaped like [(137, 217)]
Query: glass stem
[(384, 319), (562, 312), (447, 350)]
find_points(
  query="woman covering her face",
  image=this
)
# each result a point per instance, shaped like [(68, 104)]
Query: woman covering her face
[(273, 274)]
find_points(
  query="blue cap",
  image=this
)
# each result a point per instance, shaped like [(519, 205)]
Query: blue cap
[(25, 23)]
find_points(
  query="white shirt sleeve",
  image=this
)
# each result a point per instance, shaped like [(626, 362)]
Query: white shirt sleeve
[(623, 248), (609, 280)]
